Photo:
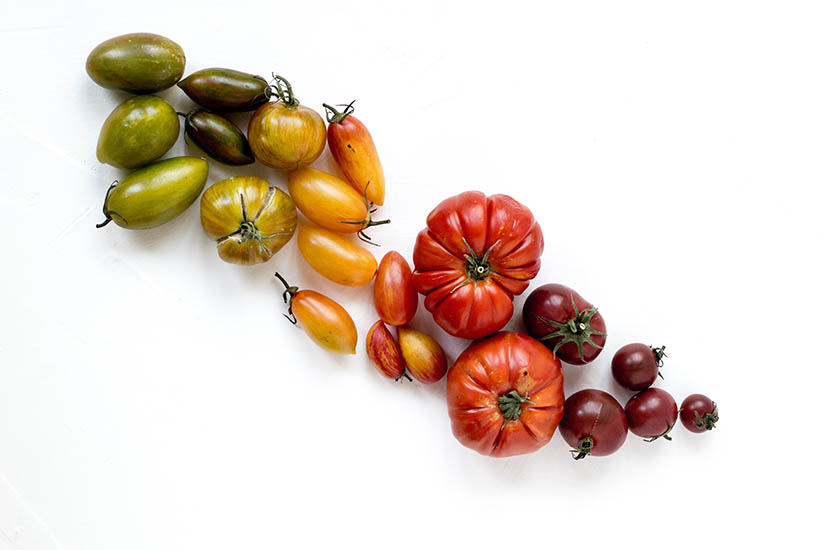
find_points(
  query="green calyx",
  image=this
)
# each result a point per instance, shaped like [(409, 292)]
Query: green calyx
[(368, 221), (282, 89), (576, 330), (708, 421), (477, 269), (659, 353), (334, 116), (248, 231), (109, 213), (289, 295), (584, 448), (510, 405), (662, 435)]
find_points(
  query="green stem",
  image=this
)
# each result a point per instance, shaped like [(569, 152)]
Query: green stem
[(334, 116), (576, 330), (289, 295), (584, 448), (283, 91), (510, 405)]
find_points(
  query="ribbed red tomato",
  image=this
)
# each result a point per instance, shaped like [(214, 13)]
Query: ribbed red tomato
[(475, 254), (505, 395)]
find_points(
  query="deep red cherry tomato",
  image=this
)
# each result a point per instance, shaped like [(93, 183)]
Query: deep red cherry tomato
[(566, 323), (698, 413), (635, 366), (651, 414), (475, 254), (594, 423), (505, 395)]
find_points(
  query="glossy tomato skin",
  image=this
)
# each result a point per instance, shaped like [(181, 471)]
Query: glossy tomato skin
[(352, 148), (698, 413), (561, 304), (327, 200), (336, 257), (635, 366), (325, 321), (286, 137), (651, 413), (594, 423), (423, 356), (476, 253), (395, 297), (384, 352), (505, 395)]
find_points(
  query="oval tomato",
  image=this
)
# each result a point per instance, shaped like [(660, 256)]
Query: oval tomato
[(505, 395), (395, 297), (335, 257), (476, 253)]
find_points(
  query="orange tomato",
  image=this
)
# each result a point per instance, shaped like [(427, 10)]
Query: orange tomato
[(353, 149), (284, 134), (335, 257), (322, 318), (423, 356), (330, 202), (395, 297)]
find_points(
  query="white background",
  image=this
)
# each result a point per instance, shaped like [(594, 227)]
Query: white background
[(152, 396)]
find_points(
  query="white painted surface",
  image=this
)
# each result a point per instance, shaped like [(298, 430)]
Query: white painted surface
[(152, 396)]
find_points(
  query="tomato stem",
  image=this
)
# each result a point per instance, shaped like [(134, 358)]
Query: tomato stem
[(289, 295), (109, 213), (576, 330), (663, 435), (283, 91), (510, 405), (334, 117), (584, 448), (659, 353), (707, 421)]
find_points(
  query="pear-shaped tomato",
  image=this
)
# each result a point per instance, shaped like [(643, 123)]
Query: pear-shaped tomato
[(250, 220), (336, 257)]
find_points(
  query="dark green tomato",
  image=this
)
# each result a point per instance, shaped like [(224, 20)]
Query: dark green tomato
[(138, 131), (218, 137), (141, 63), (156, 194), (226, 90)]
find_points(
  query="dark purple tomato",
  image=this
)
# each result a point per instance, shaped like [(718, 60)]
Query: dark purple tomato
[(635, 366), (565, 322), (594, 423), (651, 414), (698, 413)]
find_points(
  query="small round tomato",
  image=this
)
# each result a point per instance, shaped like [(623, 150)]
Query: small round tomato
[(422, 354), (566, 323), (594, 423), (330, 202), (395, 297), (322, 318), (505, 395), (635, 366), (698, 413), (284, 134), (250, 220), (352, 148), (651, 414), (476, 253), (335, 257)]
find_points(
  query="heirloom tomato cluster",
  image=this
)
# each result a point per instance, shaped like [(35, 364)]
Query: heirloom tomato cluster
[(505, 391)]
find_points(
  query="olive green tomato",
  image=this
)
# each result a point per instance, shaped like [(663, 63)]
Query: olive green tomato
[(141, 63), (138, 131), (155, 194), (223, 90)]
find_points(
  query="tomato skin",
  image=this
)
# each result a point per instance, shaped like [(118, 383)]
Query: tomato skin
[(352, 148), (476, 253), (335, 257), (422, 354), (698, 413), (327, 201), (395, 297), (495, 367), (560, 304), (594, 416), (635, 366), (325, 321), (651, 413), (384, 352)]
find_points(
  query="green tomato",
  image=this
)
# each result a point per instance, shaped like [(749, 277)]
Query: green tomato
[(156, 194), (141, 63), (138, 131)]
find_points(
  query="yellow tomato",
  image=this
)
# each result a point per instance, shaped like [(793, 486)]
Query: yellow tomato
[(335, 257), (250, 220)]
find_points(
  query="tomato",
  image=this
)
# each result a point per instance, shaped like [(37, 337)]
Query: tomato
[(422, 354), (475, 254), (384, 352), (594, 423), (218, 137), (352, 148), (564, 321), (395, 297), (698, 413), (284, 134), (335, 257), (330, 202), (505, 395), (322, 318), (635, 366), (651, 414), (250, 220)]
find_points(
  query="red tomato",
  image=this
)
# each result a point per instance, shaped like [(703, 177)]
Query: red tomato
[(395, 298), (476, 253), (505, 395)]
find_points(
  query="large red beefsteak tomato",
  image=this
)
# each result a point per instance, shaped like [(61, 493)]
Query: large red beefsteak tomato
[(505, 395), (475, 254)]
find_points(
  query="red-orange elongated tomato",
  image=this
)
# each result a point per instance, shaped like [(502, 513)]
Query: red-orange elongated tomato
[(395, 297), (352, 148), (324, 320), (383, 351), (505, 395), (284, 134)]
